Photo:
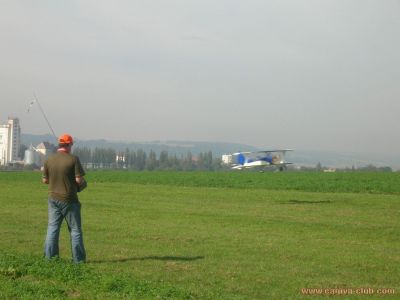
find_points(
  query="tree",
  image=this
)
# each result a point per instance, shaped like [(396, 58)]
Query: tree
[(187, 163), (164, 163), (174, 163), (22, 149), (151, 162), (140, 160), (84, 154), (208, 160), (127, 158), (132, 160), (109, 157), (96, 157)]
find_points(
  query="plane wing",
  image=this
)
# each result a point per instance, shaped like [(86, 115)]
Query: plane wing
[(270, 151), (263, 151)]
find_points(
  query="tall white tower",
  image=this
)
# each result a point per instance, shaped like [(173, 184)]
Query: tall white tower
[(3, 144), (15, 138), (10, 141)]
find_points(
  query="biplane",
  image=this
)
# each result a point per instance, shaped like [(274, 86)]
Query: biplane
[(260, 159)]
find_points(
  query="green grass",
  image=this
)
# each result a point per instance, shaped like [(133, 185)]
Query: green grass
[(167, 235), (368, 182)]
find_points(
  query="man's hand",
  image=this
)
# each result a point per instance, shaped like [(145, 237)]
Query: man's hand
[(45, 180), (81, 182)]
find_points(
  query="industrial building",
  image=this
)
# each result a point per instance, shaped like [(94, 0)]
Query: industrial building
[(37, 155)]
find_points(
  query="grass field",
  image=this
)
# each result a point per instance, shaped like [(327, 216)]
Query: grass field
[(171, 235)]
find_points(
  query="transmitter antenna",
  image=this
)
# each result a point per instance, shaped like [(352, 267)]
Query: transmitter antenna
[(36, 100)]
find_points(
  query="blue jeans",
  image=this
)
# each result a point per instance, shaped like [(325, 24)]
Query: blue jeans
[(71, 211)]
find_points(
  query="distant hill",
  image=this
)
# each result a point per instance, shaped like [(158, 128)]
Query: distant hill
[(299, 157), (342, 160)]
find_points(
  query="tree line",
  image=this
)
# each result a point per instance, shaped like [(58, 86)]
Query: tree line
[(367, 168), (139, 160)]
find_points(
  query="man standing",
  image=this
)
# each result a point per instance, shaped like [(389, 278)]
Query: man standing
[(63, 173)]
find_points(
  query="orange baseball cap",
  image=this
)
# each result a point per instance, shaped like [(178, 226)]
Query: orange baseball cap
[(65, 139)]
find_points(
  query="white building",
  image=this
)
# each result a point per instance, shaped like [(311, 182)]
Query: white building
[(227, 159), (44, 149), (37, 156), (10, 141)]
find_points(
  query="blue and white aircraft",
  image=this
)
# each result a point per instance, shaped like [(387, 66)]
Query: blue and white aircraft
[(246, 160)]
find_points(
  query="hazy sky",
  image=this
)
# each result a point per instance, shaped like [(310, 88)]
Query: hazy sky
[(304, 74)]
